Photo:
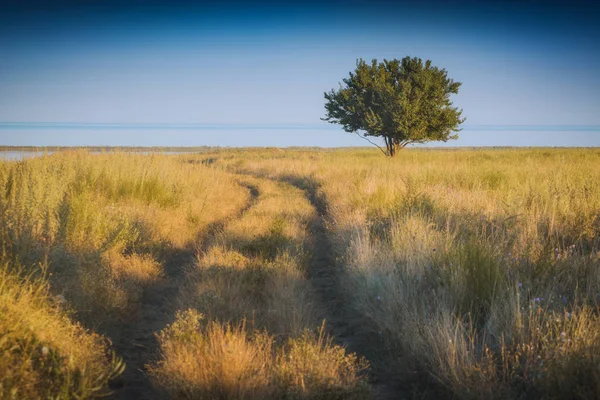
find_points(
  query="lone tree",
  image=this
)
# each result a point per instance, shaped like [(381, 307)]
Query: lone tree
[(403, 102)]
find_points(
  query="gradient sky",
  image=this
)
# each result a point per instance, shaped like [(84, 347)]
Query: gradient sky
[(267, 65)]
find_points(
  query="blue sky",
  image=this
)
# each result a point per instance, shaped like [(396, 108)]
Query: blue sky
[(247, 67)]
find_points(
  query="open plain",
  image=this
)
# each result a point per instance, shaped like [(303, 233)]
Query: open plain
[(301, 274)]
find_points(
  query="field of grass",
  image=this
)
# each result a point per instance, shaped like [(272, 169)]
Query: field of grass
[(268, 273)]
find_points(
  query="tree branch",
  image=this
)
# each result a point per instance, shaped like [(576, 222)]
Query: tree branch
[(375, 144)]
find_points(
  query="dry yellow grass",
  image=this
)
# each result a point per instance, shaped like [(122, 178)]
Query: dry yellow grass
[(105, 221), (254, 267), (222, 361), (479, 270), (460, 257), (261, 337), (101, 226), (43, 353)]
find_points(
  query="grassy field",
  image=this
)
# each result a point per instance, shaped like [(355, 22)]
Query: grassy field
[(269, 273)]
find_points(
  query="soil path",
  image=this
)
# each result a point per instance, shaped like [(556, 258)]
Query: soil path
[(348, 327), (135, 340)]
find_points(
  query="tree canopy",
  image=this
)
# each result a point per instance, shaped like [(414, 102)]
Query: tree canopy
[(403, 102)]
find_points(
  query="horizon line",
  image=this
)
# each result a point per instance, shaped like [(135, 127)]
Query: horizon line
[(265, 126), (4, 148)]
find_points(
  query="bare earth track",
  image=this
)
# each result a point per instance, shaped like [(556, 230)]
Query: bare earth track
[(349, 328), (135, 341)]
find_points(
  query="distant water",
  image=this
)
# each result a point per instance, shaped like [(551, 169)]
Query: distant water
[(15, 155), (18, 155), (237, 135)]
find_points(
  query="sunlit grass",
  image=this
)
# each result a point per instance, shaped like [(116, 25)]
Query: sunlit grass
[(461, 257), (101, 226), (219, 360), (103, 221), (479, 269), (43, 353), (261, 337)]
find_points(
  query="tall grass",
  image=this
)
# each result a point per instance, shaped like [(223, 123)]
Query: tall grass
[(92, 231), (478, 267), (105, 222), (44, 353), (251, 329)]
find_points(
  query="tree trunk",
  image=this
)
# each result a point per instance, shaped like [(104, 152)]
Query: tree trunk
[(393, 145), (390, 147)]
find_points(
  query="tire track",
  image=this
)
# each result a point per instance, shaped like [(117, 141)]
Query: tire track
[(348, 327), (136, 341)]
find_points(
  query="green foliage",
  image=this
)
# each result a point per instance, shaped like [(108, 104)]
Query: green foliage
[(403, 102)]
